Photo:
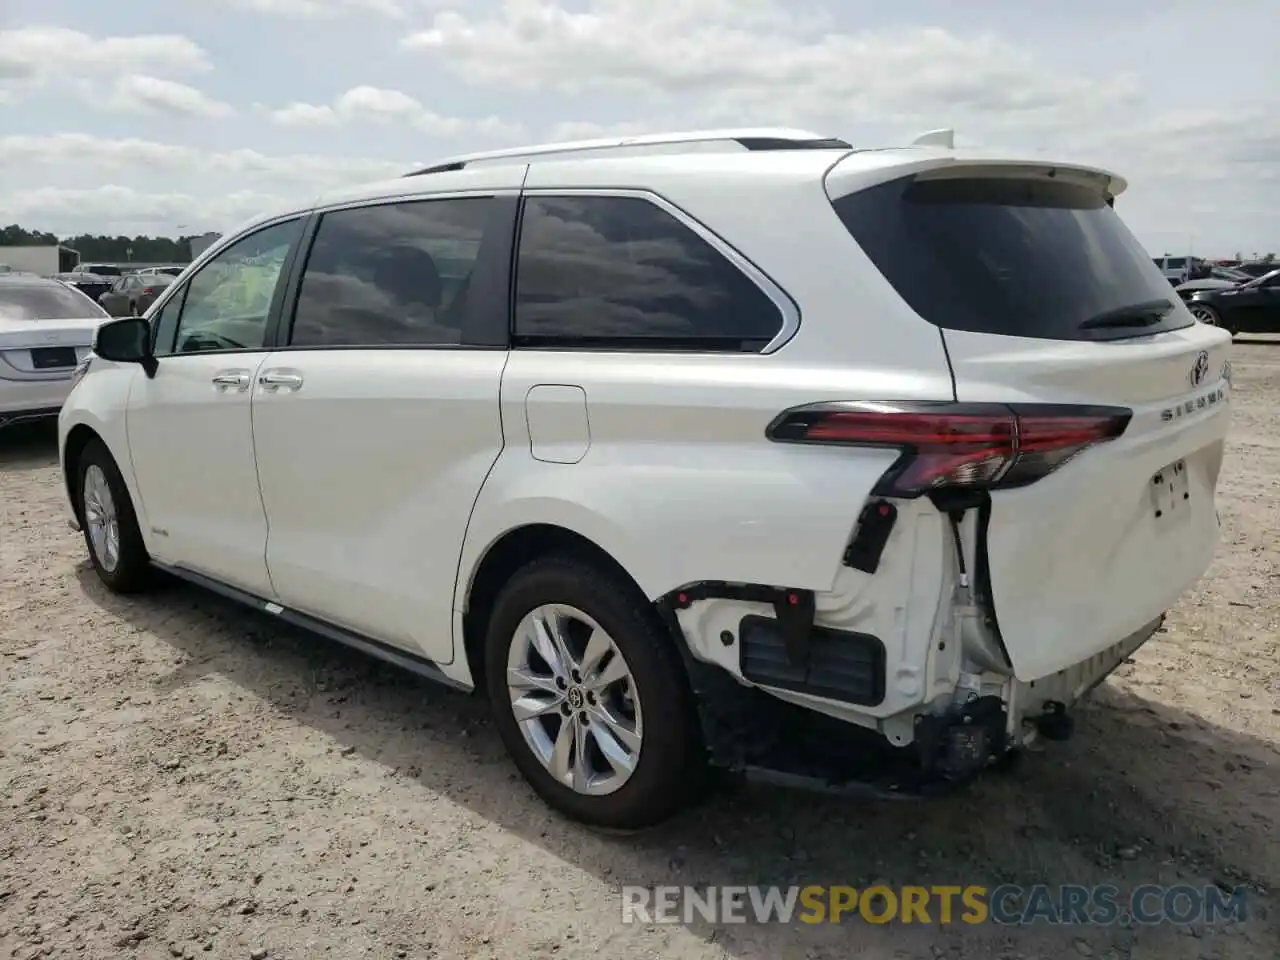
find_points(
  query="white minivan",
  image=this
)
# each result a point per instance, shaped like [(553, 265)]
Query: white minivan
[(737, 449)]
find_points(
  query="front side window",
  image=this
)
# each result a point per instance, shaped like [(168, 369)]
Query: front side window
[(394, 274), (228, 301), (622, 272)]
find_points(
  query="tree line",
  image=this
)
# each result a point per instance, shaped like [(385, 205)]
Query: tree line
[(141, 249)]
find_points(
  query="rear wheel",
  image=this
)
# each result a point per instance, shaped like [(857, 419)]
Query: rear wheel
[(590, 697), (110, 526)]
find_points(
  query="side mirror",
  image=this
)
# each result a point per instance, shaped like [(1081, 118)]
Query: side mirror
[(126, 341)]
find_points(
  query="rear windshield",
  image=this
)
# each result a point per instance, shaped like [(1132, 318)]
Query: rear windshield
[(45, 301), (1011, 256)]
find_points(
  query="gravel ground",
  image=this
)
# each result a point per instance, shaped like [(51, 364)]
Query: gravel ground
[(182, 778)]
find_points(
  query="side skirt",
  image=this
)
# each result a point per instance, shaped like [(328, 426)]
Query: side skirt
[(367, 645)]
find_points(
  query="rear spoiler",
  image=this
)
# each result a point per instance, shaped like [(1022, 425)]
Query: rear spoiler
[(858, 170)]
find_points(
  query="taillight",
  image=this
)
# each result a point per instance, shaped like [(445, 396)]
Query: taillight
[(148, 290), (968, 445)]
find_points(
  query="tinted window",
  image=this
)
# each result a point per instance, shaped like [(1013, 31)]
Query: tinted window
[(1176, 263), (45, 301), (1019, 257), (394, 274), (229, 299), (622, 271)]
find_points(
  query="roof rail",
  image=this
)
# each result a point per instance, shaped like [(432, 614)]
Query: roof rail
[(759, 138)]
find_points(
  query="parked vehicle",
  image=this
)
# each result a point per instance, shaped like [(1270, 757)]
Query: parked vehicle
[(98, 269), (1178, 270), (1220, 278), (747, 448), (46, 328), (1257, 268), (133, 294), (1253, 307), (90, 284)]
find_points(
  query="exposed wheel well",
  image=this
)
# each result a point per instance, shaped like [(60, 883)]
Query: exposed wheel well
[(511, 552), (77, 440)]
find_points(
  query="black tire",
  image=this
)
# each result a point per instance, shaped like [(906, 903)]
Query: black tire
[(1207, 315), (132, 572), (671, 761)]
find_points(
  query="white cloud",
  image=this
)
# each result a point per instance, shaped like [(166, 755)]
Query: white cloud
[(129, 210), (428, 78), (145, 94), (326, 9), (144, 183), (33, 56), (109, 156), (376, 105), (754, 61)]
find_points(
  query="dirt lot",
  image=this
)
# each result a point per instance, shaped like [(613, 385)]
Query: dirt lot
[(181, 778)]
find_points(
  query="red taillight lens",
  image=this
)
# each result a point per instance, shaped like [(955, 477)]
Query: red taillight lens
[(975, 445), (148, 290)]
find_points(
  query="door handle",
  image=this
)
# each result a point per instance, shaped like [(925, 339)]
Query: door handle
[(225, 379), (274, 381)]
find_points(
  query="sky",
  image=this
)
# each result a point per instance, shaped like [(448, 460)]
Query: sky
[(176, 117)]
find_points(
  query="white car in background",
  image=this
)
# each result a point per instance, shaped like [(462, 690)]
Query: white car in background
[(46, 328), (743, 448)]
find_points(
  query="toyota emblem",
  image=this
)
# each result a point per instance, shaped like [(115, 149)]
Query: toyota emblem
[(1200, 369)]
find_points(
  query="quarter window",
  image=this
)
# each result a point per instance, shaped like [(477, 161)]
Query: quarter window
[(394, 274), (229, 300), (622, 272)]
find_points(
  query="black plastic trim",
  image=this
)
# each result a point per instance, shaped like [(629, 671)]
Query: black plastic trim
[(281, 322), (781, 143), (421, 666), (794, 609), (18, 416), (982, 578), (439, 168), (815, 674)]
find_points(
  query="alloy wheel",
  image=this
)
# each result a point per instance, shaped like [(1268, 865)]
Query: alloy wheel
[(101, 518), (574, 699)]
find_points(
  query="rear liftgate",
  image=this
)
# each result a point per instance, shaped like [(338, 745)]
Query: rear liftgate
[(955, 454)]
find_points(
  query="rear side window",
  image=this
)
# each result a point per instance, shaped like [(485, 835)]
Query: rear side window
[(621, 272), (1011, 256), (45, 301), (393, 274)]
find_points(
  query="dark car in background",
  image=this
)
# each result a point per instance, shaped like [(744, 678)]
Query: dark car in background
[(132, 294), (91, 285), (1252, 307), (1219, 278), (98, 269)]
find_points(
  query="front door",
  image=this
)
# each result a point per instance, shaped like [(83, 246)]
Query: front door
[(190, 426)]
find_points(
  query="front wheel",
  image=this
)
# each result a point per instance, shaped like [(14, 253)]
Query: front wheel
[(110, 526), (590, 696)]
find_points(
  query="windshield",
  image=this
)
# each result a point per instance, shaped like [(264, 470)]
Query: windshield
[(1009, 255), (45, 301)]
